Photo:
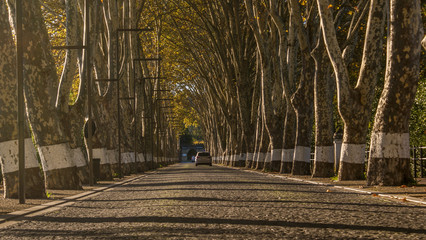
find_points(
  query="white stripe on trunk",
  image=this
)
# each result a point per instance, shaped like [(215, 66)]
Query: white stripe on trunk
[(262, 157), (126, 157), (141, 157), (277, 154), (249, 156), (256, 157), (287, 155), (57, 156), (101, 153), (352, 153), (337, 150), (79, 159), (268, 157), (390, 145), (302, 154), (112, 156), (9, 155), (324, 154)]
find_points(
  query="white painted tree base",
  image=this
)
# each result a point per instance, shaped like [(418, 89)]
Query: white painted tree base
[(128, 157), (352, 153), (268, 157), (101, 153), (249, 156), (79, 159), (287, 155), (141, 157), (261, 157), (9, 156), (390, 145), (276, 155), (57, 156), (324, 154), (302, 154), (112, 156)]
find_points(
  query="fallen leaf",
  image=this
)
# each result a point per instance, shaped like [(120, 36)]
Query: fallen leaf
[(361, 186), (403, 186), (328, 190), (374, 195), (404, 199), (330, 6)]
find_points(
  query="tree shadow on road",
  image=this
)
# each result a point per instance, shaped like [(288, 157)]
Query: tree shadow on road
[(241, 222)]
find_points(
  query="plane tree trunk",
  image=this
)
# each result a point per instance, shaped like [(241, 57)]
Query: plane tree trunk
[(355, 101), (302, 98), (323, 99), (34, 187), (389, 162), (40, 92)]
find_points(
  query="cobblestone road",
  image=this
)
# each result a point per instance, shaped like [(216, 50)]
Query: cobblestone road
[(188, 202)]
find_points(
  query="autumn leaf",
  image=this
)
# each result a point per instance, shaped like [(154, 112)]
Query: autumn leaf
[(330, 6)]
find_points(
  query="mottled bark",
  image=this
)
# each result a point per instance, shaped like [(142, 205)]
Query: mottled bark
[(40, 93), (289, 139), (389, 162), (302, 99), (273, 108), (323, 100), (355, 101)]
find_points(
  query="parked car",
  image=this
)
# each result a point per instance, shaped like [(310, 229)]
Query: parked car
[(203, 158)]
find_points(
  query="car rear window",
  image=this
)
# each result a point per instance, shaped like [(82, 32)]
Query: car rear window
[(203, 154)]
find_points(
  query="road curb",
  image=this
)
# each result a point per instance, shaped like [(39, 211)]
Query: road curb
[(376, 194), (14, 217)]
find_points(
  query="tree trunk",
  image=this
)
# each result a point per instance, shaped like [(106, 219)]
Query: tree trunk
[(323, 99), (389, 162), (289, 140), (40, 91), (355, 101), (34, 187)]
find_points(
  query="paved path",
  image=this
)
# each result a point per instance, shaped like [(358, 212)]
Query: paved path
[(188, 202)]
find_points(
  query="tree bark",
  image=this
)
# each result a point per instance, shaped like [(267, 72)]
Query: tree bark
[(302, 99), (389, 162), (40, 90), (355, 101), (323, 99), (34, 187)]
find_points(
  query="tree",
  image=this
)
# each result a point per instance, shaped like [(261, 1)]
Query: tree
[(354, 101), (323, 97), (40, 89), (389, 162), (272, 93), (34, 187)]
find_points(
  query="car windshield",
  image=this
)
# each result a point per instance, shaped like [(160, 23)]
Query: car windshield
[(203, 154)]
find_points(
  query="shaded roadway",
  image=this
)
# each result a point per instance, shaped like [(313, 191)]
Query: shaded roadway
[(183, 201)]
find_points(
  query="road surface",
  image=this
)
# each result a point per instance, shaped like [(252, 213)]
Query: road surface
[(187, 202)]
